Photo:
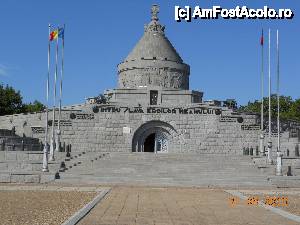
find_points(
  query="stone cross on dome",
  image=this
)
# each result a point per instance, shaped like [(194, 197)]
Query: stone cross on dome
[(154, 12)]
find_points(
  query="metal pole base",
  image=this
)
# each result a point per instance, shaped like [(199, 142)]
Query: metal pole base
[(57, 140), (45, 158), (45, 170), (261, 145), (279, 164), (52, 150)]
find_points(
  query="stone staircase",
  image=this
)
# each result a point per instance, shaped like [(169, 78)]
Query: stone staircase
[(201, 170), (80, 160), (21, 160), (26, 167), (289, 179), (167, 169)]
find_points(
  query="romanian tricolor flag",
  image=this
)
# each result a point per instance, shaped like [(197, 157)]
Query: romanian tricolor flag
[(53, 35)]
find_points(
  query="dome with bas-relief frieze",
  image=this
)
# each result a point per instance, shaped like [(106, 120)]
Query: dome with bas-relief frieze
[(154, 62)]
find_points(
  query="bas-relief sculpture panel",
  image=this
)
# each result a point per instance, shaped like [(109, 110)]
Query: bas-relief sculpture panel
[(164, 77)]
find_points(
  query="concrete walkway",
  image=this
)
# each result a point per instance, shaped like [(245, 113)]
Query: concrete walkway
[(177, 206)]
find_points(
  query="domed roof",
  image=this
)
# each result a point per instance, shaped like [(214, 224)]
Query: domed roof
[(154, 61), (154, 43)]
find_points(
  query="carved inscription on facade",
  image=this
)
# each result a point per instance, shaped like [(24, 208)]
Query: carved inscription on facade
[(82, 116), (63, 123), (157, 110)]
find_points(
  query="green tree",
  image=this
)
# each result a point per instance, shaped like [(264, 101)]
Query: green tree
[(251, 107), (289, 109), (36, 106), (295, 110), (11, 102)]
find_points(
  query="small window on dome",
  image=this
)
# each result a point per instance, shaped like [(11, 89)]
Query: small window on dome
[(153, 97)]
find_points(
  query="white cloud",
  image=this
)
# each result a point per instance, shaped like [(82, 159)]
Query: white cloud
[(3, 70)]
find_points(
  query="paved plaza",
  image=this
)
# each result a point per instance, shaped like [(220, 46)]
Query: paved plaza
[(177, 206), (137, 205)]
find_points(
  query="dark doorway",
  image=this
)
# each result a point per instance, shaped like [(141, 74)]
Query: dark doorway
[(149, 143)]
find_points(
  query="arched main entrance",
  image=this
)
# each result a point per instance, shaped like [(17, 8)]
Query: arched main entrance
[(153, 136)]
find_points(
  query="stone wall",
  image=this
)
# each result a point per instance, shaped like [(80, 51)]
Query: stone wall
[(142, 96), (108, 130)]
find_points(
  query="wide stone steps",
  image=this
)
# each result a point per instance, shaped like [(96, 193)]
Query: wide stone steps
[(167, 169), (76, 160), (26, 177), (167, 181), (26, 167)]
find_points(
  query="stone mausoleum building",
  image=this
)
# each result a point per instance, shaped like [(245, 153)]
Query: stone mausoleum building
[(152, 109)]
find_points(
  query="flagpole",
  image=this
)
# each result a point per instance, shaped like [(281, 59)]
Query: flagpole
[(279, 154), (270, 127), (278, 105), (52, 147), (45, 150), (262, 151), (61, 85)]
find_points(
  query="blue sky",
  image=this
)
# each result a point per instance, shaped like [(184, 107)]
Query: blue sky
[(224, 55)]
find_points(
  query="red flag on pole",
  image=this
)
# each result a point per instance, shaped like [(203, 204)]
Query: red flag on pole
[(262, 38)]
